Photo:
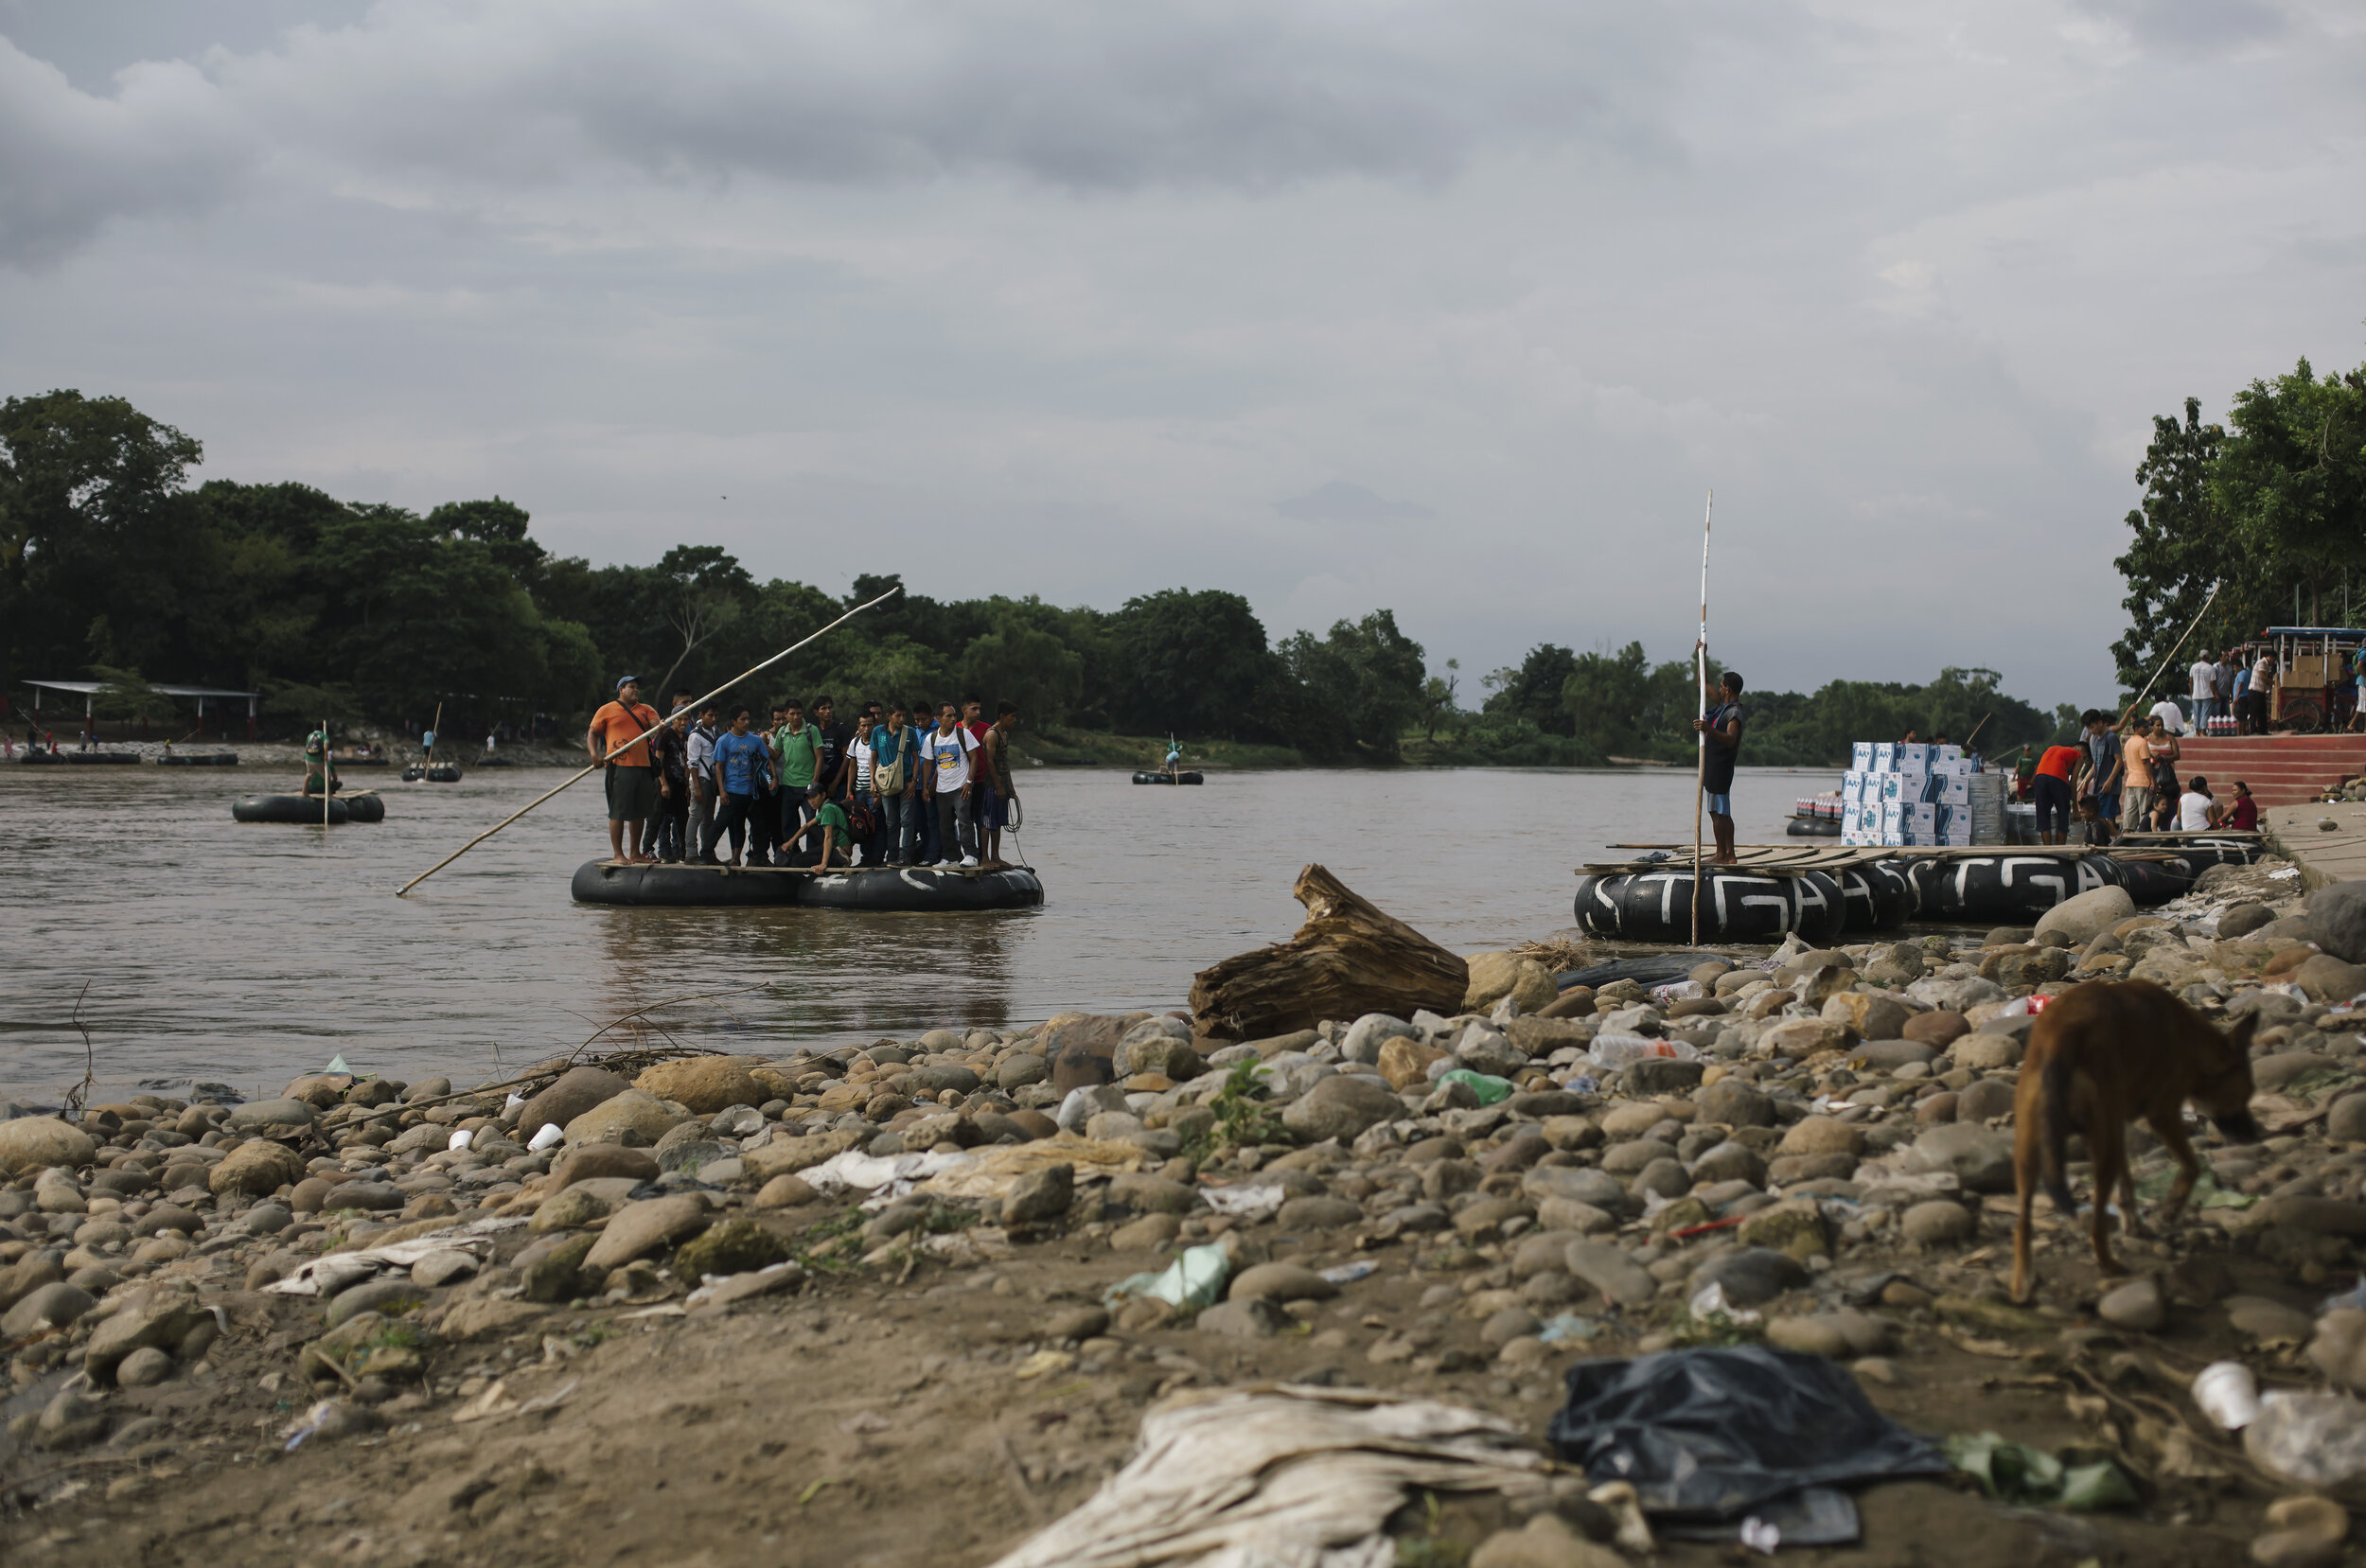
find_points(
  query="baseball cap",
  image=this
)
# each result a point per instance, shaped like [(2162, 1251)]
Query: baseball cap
[(625, 681)]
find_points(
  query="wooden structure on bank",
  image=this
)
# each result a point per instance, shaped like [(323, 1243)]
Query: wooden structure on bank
[(1348, 960)]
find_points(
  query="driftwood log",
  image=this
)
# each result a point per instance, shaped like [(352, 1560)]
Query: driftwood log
[(1348, 960)]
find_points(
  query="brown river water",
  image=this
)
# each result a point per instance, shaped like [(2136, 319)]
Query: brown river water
[(245, 953)]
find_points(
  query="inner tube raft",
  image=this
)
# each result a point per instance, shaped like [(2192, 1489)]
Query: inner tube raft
[(440, 773), (2004, 889), (1736, 905), (1168, 777), (300, 810), (1813, 827), (909, 889), (1879, 897)]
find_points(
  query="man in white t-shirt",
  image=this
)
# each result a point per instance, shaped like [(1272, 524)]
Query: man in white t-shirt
[(2205, 693), (2171, 717), (945, 778)]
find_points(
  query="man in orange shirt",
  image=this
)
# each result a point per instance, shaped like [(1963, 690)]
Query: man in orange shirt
[(632, 779), (2050, 786)]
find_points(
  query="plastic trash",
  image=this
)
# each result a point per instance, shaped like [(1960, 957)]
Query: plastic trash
[(1682, 991), (461, 1139), (1617, 1050), (337, 1063), (548, 1134), (1190, 1284), (2228, 1394), (1347, 1273), (1709, 1301), (2313, 1441), (1491, 1090), (1244, 1203), (1283, 1475), (2018, 1473), (1761, 1536), (1568, 1326), (514, 1104), (1714, 1436)]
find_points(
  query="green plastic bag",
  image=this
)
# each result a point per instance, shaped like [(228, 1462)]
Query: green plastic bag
[(1488, 1090), (2016, 1472), (1190, 1284)]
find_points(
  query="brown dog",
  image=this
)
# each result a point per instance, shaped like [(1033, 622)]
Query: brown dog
[(2099, 1057)]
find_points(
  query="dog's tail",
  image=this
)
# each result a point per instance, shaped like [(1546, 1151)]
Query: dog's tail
[(2053, 1140)]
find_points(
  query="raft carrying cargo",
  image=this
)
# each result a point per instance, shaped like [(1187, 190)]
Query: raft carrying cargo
[(443, 772), (304, 810), (1873, 889), (908, 890), (1168, 777)]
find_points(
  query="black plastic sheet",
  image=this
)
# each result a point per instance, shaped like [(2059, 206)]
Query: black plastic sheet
[(1714, 1435)]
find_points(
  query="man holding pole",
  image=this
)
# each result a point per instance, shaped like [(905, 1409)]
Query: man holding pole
[(1724, 728), (631, 781)]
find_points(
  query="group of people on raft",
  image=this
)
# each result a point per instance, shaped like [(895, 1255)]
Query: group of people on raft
[(901, 785)]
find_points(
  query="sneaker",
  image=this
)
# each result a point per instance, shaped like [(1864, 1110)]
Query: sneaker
[(940, 865), (969, 862)]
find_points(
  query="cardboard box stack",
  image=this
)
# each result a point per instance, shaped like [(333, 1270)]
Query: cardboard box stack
[(1895, 793)]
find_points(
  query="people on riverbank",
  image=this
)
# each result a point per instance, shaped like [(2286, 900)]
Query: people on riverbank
[(1721, 731), (2050, 786), (632, 797), (2136, 787), (2242, 813), (2197, 810)]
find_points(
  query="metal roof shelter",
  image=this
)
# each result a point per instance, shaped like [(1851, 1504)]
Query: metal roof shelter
[(89, 689)]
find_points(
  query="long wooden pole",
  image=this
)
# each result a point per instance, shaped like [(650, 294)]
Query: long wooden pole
[(324, 772), (690, 707), (1701, 679), (2172, 658)]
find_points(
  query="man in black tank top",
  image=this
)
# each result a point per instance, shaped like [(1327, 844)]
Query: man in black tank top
[(1723, 729)]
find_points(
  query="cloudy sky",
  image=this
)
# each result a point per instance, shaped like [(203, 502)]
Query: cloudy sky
[(1456, 309)]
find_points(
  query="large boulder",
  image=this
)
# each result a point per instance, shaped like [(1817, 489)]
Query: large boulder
[(705, 1084), (1874, 1017), (2326, 978), (1796, 1039), (631, 1112), (256, 1166), (578, 1090), (594, 1160), (784, 1156), (2337, 920), (1496, 976), (1082, 1047), (1340, 1107), (32, 1142), (2081, 919), (640, 1228), (160, 1316)]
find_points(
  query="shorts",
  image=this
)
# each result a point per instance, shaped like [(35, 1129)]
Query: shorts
[(1720, 806), (2054, 803), (631, 793), (989, 806)]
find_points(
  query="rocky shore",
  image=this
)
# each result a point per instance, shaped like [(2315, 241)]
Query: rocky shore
[(912, 1303)]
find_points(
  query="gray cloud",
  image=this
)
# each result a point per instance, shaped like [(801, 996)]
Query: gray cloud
[(1342, 502)]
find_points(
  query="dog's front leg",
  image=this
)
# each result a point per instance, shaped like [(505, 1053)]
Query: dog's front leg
[(2171, 1128)]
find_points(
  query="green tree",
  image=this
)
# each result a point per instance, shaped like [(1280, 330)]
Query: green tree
[(1031, 667), (1359, 688), (1534, 691), (1192, 664)]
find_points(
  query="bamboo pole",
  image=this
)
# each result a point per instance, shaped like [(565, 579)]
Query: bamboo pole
[(325, 790), (2172, 658), (1701, 679), (690, 707)]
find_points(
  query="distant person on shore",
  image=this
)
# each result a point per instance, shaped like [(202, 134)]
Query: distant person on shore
[(1175, 760), (1912, 736), (2050, 786), (2197, 810), (2243, 815), (696, 835), (632, 795), (2025, 771), (743, 771), (2171, 717), (2203, 688), (2222, 675), (2136, 788), (945, 761), (1722, 744), (2166, 751), (670, 749), (997, 791), (2105, 770), (2262, 685)]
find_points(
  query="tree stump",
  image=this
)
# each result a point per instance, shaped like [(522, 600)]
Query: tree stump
[(1348, 960)]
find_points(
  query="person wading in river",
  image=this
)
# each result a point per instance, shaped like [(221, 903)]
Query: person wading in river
[(1724, 728), (631, 781)]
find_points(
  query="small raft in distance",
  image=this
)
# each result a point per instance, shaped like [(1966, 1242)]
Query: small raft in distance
[(1163, 777), (900, 890), (443, 772)]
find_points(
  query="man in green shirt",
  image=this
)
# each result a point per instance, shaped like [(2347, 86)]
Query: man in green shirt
[(828, 818), (797, 754), (320, 768)]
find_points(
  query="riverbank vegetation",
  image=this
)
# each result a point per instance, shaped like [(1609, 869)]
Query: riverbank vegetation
[(114, 567), (2268, 508)]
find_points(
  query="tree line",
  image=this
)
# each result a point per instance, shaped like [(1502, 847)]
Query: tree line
[(115, 566), (2268, 509)]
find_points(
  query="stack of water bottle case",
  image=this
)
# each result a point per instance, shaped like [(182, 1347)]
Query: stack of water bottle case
[(1911, 794)]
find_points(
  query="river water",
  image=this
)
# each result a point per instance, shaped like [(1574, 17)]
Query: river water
[(246, 953)]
